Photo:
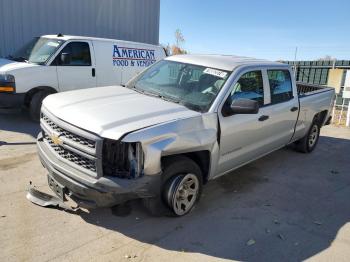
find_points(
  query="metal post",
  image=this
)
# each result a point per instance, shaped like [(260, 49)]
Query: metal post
[(348, 116), (295, 62), (341, 111), (334, 106)]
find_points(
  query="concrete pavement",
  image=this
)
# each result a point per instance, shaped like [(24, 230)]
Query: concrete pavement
[(286, 206)]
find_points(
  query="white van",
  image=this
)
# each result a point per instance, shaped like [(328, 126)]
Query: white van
[(56, 63)]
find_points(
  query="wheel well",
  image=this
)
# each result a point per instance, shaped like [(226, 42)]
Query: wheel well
[(320, 117), (30, 93), (201, 158)]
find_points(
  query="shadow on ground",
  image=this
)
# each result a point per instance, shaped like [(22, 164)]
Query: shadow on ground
[(289, 206), (17, 121)]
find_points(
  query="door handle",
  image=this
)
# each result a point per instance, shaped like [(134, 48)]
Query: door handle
[(294, 108), (93, 72), (263, 118)]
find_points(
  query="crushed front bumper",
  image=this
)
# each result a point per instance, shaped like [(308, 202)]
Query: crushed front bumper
[(90, 192)]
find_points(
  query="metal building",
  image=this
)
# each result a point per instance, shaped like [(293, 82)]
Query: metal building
[(133, 20)]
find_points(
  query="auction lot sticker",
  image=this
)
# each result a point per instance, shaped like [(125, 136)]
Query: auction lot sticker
[(215, 72)]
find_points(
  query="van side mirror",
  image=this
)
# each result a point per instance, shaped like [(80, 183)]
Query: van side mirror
[(65, 58), (244, 106)]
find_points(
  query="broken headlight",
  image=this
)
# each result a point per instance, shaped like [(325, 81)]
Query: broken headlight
[(124, 160)]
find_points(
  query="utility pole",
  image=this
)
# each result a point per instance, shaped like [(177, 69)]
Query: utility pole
[(295, 61)]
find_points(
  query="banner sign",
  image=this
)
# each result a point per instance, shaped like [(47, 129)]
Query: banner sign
[(128, 56)]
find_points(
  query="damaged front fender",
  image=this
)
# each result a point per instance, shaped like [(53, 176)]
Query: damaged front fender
[(176, 137)]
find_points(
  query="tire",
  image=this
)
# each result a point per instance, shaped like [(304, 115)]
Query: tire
[(35, 104), (308, 143), (182, 185)]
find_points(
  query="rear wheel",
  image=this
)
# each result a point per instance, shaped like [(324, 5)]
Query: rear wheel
[(35, 104), (308, 143)]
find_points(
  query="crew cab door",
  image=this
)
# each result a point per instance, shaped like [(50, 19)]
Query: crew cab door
[(284, 106), (75, 65), (244, 137)]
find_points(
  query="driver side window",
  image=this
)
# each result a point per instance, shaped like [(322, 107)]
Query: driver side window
[(249, 86), (78, 55)]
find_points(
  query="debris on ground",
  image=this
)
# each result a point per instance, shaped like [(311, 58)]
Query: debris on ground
[(281, 236), (268, 231), (276, 222), (178, 227), (251, 242), (319, 223)]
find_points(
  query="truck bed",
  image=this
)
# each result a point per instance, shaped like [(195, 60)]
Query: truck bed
[(305, 89)]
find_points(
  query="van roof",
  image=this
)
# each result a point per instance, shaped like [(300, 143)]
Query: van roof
[(224, 62), (74, 37)]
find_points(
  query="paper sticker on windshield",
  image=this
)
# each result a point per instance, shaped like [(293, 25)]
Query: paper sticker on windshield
[(215, 72), (54, 44)]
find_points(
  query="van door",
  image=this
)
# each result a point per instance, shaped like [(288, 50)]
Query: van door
[(244, 137), (75, 65)]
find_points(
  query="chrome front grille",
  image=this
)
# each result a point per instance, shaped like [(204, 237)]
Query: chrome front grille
[(69, 135), (75, 158), (76, 147)]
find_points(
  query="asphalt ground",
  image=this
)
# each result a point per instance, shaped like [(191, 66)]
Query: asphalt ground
[(287, 206)]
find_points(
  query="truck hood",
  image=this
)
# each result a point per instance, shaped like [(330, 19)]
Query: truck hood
[(113, 111), (6, 66)]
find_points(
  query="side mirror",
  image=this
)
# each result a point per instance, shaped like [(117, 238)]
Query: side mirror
[(65, 58), (244, 106)]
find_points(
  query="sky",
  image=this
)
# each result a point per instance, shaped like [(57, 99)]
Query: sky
[(270, 29)]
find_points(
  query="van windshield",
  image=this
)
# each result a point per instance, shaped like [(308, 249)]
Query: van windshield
[(37, 51), (193, 86)]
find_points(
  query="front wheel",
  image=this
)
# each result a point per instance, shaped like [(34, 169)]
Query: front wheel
[(183, 187), (308, 143), (35, 104)]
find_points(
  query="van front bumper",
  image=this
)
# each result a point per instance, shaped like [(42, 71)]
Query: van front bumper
[(11, 100), (90, 192)]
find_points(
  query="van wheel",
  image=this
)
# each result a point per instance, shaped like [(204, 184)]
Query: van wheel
[(308, 143), (35, 104), (183, 186)]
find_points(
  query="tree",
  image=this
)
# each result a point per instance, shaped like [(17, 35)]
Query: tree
[(167, 48), (179, 40)]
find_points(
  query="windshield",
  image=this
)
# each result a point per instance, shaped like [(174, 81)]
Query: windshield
[(193, 86), (37, 51)]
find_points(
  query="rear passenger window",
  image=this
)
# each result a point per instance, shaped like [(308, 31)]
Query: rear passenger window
[(280, 85), (78, 55), (249, 86)]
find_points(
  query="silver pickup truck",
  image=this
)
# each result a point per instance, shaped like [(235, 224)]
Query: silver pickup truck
[(180, 123)]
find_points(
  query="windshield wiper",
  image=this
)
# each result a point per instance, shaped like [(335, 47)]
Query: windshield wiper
[(166, 98), (169, 99), (141, 91), (19, 59)]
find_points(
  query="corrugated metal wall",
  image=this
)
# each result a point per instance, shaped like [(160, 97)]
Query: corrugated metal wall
[(134, 20)]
